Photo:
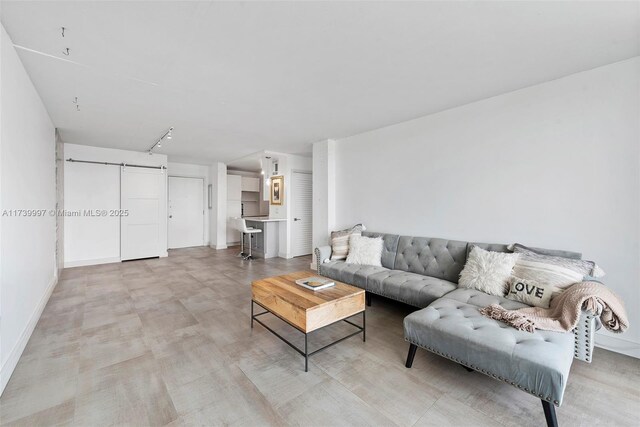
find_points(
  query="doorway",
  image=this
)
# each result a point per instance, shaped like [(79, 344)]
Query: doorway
[(186, 212), (301, 226)]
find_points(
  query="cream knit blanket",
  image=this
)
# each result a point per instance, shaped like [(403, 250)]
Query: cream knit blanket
[(565, 309)]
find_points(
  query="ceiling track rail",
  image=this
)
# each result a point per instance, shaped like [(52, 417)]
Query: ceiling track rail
[(129, 165)]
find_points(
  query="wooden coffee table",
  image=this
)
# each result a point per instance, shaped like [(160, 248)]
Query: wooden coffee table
[(307, 310)]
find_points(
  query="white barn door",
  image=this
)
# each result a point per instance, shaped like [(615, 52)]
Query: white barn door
[(301, 226), (186, 212), (143, 231)]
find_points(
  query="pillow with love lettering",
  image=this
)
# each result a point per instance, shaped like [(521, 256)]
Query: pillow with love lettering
[(530, 292)]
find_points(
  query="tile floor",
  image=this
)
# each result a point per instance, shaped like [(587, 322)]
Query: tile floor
[(168, 342)]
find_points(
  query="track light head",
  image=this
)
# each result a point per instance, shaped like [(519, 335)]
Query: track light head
[(167, 135)]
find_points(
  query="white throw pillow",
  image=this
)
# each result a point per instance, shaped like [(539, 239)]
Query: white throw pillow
[(365, 250), (487, 271)]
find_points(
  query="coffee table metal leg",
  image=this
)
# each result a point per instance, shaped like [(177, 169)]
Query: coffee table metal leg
[(305, 352), (364, 327), (306, 355)]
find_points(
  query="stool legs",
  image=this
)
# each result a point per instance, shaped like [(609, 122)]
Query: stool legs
[(250, 257), (241, 245)]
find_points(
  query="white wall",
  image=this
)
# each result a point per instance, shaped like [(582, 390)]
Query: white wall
[(195, 171), (218, 215), (59, 202), (324, 192), (555, 165), (91, 239), (28, 270), (287, 164)]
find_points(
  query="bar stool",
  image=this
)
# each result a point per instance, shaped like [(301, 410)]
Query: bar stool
[(241, 226)]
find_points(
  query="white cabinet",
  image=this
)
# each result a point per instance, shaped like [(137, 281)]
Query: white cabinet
[(250, 184), (233, 211), (234, 187), (241, 190)]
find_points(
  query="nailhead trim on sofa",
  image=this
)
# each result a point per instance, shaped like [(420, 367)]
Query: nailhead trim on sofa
[(487, 373)]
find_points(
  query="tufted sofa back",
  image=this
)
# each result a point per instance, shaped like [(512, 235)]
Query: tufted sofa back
[(389, 248), (497, 247), (440, 258)]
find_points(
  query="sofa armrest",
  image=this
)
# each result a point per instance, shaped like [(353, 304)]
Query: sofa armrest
[(584, 333), (322, 253)]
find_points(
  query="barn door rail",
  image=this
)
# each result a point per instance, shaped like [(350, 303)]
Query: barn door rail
[(129, 165)]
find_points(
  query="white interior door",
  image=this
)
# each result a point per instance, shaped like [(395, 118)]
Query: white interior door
[(186, 212), (301, 224), (143, 231)]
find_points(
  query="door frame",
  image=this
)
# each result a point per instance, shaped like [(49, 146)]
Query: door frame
[(205, 237), (291, 198)]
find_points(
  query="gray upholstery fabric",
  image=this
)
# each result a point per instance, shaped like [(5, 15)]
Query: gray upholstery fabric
[(322, 253), (537, 363), (389, 249), (352, 274), (481, 300), (557, 252), (440, 258), (498, 247), (411, 288), (493, 247), (584, 336)]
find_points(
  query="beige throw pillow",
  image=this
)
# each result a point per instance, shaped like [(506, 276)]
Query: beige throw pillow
[(340, 241), (552, 270), (530, 292), (487, 271)]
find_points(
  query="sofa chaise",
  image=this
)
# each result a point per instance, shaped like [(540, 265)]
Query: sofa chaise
[(423, 272)]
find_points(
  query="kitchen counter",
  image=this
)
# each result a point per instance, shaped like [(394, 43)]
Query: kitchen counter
[(262, 219), (265, 244)]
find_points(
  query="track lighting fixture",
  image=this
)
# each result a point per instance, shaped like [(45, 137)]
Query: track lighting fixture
[(158, 143)]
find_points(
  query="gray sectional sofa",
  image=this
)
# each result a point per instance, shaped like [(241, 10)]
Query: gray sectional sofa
[(423, 272)]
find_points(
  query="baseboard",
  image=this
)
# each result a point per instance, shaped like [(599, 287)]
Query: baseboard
[(82, 263), (14, 356), (618, 345), (217, 247)]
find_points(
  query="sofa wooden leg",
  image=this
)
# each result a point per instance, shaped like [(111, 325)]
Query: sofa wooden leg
[(411, 355), (550, 413), (367, 298)]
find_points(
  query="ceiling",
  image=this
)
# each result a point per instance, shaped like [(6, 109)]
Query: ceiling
[(237, 78), (251, 163)]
